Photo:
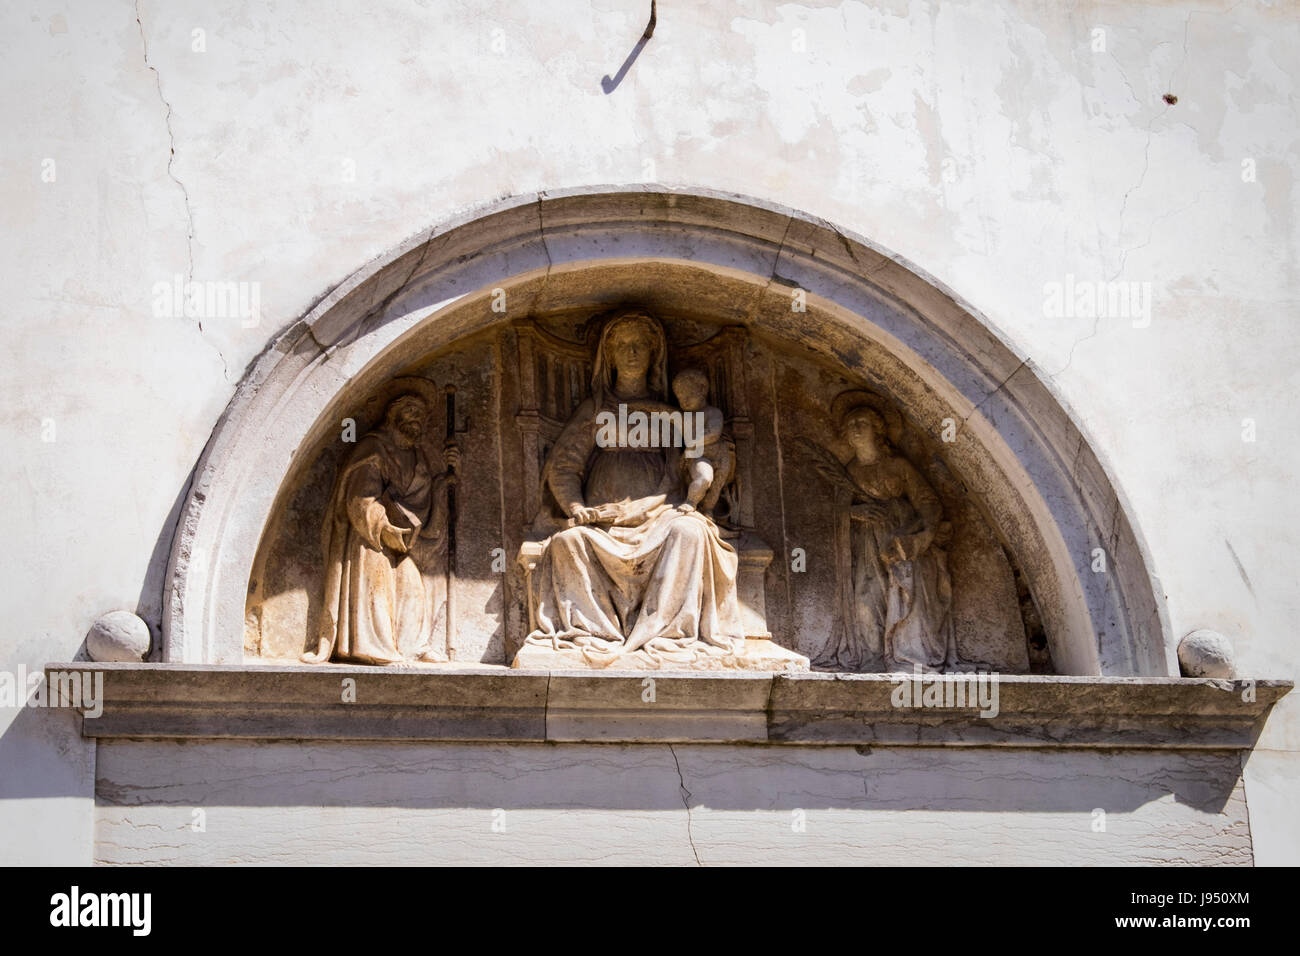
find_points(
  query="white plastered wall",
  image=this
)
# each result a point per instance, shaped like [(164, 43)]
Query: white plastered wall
[(989, 143)]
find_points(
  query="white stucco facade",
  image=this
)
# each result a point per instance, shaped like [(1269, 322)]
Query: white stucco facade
[(1001, 147)]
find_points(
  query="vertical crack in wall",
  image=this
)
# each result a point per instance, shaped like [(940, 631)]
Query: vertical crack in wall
[(686, 802), (171, 156), (171, 174), (1123, 206), (1146, 156)]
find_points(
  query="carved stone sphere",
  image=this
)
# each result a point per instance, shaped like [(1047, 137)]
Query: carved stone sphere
[(1205, 654), (118, 636)]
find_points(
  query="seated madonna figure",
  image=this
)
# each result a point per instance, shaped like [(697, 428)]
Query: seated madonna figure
[(630, 573)]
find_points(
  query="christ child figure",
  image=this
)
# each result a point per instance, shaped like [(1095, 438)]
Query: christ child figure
[(709, 462)]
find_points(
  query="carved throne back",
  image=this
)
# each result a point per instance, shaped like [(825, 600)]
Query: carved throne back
[(555, 377)]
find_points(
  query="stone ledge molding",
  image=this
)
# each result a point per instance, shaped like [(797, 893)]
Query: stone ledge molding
[(497, 704)]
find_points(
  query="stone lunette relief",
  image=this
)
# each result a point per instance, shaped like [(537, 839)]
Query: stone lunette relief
[(852, 608)]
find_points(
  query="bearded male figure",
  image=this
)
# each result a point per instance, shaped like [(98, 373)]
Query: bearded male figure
[(384, 530)]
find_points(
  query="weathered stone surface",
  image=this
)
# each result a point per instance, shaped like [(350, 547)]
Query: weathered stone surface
[(1272, 778), (958, 589), (1044, 517), (118, 636), (1205, 654), (433, 702), (894, 593), (275, 802), (748, 655)]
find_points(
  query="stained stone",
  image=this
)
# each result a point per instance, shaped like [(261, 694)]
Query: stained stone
[(1205, 653), (118, 636), (625, 500)]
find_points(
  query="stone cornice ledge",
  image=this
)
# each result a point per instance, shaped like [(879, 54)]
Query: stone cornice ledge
[(496, 704)]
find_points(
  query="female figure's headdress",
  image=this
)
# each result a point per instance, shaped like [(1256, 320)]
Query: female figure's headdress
[(603, 372)]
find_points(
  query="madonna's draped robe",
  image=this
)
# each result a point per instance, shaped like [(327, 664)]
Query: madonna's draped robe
[(653, 579)]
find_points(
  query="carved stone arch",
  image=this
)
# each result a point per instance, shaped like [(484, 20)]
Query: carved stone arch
[(885, 323)]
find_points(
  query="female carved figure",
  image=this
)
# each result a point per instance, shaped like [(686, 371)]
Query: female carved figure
[(895, 594), (630, 572), (384, 530)]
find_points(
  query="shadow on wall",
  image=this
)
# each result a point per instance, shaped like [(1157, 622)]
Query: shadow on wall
[(149, 604), (42, 754), (653, 776), (610, 85)]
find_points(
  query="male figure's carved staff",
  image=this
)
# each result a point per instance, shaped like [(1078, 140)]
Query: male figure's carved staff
[(450, 443)]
